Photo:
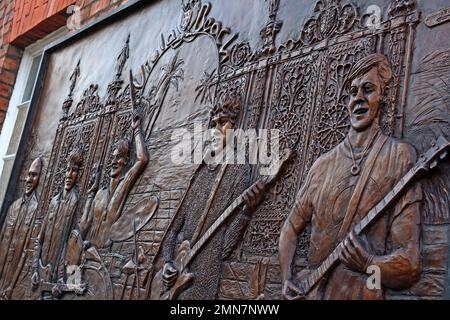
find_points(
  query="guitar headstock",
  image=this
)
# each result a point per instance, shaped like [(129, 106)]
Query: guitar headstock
[(277, 166), (437, 153), (287, 154)]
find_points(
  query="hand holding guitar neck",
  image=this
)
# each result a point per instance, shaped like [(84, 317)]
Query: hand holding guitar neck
[(254, 195)]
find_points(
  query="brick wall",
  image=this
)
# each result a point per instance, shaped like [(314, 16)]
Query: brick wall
[(92, 9), (33, 19), (9, 57), (24, 21)]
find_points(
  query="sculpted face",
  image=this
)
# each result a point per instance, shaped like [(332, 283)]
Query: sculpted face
[(365, 97), (33, 177), (118, 164), (71, 176), (221, 124)]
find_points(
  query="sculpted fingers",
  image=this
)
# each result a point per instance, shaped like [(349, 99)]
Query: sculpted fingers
[(345, 256), (356, 244), (252, 198), (350, 256), (260, 185)]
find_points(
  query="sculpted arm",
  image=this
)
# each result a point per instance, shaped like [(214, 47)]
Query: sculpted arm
[(142, 158), (401, 267), (295, 223)]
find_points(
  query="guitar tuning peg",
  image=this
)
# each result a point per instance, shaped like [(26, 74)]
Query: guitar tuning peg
[(433, 164)]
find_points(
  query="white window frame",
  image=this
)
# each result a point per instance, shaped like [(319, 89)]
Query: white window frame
[(15, 102)]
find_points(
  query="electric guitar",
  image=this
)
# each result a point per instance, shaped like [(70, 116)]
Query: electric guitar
[(185, 253), (427, 162)]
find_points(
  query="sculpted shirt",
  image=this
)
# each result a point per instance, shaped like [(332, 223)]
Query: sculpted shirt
[(323, 201), (107, 207), (56, 228), (206, 266), (15, 244), (101, 224)]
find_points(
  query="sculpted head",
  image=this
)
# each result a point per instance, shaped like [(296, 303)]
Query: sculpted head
[(74, 162), (366, 85), (34, 172), (120, 157), (224, 117)]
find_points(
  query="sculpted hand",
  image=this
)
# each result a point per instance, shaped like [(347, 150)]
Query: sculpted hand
[(86, 244), (35, 280), (95, 180), (6, 295), (254, 196), (136, 120), (291, 292), (170, 275), (57, 289), (354, 255)]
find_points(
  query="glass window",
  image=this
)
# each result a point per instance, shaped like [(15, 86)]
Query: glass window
[(18, 127), (31, 78)]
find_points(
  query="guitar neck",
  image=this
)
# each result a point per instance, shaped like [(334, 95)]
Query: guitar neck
[(205, 237), (376, 211), (228, 211), (307, 284)]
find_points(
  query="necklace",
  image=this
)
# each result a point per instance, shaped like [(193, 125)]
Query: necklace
[(356, 167)]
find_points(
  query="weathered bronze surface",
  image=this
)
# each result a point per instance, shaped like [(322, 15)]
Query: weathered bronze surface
[(358, 93)]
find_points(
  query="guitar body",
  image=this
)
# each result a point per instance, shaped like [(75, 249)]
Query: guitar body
[(298, 290), (159, 291)]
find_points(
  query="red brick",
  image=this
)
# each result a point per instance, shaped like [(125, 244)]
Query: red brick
[(14, 51), (88, 2), (11, 63), (18, 8), (37, 16), (86, 12), (34, 14), (4, 104), (104, 3), (2, 119), (95, 8), (5, 90), (26, 9), (7, 77)]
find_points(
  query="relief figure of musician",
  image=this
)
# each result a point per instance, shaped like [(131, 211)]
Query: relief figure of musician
[(342, 186), (212, 189), (105, 206), (58, 222), (15, 238)]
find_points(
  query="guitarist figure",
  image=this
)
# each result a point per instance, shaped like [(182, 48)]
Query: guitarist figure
[(340, 189), (55, 230), (15, 238), (212, 189)]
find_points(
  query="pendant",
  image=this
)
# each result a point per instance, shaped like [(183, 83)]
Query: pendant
[(212, 167), (355, 170)]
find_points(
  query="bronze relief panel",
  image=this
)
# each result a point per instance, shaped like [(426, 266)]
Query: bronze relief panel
[(349, 103)]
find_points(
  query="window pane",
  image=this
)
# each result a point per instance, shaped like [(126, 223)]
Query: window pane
[(18, 127), (6, 173), (31, 78)]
